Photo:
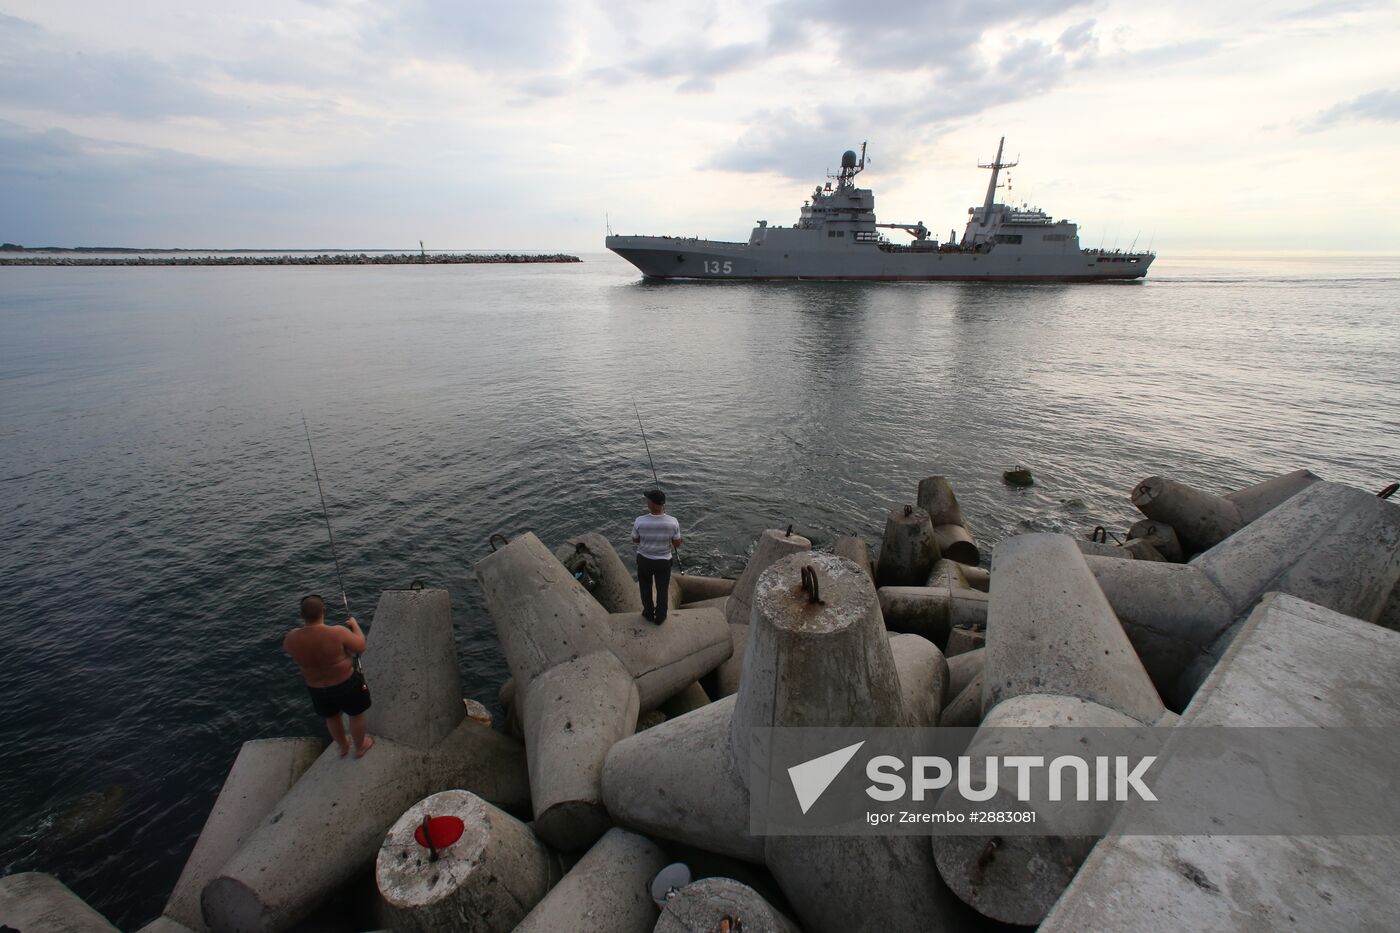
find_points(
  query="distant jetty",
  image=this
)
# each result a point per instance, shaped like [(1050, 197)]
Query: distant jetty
[(282, 259)]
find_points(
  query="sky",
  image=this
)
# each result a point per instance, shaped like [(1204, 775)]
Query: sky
[(1189, 126)]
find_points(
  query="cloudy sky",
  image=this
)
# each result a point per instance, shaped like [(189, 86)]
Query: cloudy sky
[(1194, 125)]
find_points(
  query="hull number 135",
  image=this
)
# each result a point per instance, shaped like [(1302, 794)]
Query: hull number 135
[(718, 268)]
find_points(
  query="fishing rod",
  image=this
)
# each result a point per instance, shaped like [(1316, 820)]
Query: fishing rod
[(326, 514), (679, 564)]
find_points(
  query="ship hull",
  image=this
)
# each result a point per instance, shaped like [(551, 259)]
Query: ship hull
[(706, 260)]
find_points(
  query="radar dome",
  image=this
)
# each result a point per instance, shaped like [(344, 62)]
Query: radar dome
[(848, 159)]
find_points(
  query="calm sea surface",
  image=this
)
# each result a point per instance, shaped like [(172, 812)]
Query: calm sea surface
[(160, 520)]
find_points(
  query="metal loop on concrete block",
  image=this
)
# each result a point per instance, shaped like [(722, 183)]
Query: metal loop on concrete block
[(908, 510), (492, 540), (788, 533), (810, 585)]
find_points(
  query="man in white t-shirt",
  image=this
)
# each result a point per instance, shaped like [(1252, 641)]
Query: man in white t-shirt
[(655, 534)]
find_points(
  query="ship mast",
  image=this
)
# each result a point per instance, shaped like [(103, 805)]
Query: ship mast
[(996, 166)]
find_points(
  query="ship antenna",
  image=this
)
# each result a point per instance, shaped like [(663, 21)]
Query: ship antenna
[(996, 166)]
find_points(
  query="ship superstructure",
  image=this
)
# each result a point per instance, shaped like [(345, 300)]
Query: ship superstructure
[(837, 237)]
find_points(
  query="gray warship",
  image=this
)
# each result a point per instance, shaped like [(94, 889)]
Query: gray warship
[(838, 239)]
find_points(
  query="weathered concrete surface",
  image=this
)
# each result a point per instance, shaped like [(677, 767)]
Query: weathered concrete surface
[(772, 546), (1330, 544), (731, 670), (979, 578), (606, 890), (962, 668), (1161, 536), (572, 714), (484, 882), (33, 902), (696, 589), (330, 824), (815, 664), (1285, 669), (963, 639), (855, 550), (666, 659), (1014, 878), (688, 700), (950, 528), (923, 678), (263, 772), (1261, 498), (908, 550), (678, 781), (410, 665), (701, 906), (614, 587), (965, 709), (1050, 630), (932, 611), (164, 924), (1200, 519)]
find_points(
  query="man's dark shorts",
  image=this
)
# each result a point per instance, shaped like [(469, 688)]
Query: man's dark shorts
[(350, 696)]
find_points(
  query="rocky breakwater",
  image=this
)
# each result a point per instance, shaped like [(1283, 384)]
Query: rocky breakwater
[(627, 745), (290, 259)]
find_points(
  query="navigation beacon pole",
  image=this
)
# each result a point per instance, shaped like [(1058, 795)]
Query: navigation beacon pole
[(679, 563)]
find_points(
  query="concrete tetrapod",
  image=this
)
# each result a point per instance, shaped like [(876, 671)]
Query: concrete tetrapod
[(582, 676), (855, 550), (771, 546), (263, 772), (702, 906), (932, 611), (830, 663), (949, 527), (1161, 536), (1200, 519), (606, 890), (1294, 664), (1330, 544), (484, 881), (1257, 500), (33, 902), (923, 678), (329, 825), (908, 551), (1015, 878), (1050, 630), (613, 586)]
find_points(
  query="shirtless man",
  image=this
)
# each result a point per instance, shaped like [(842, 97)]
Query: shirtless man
[(323, 652)]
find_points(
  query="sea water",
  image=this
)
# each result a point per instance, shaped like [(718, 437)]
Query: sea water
[(160, 519)]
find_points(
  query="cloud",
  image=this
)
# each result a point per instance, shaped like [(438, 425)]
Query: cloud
[(520, 36), (1382, 105)]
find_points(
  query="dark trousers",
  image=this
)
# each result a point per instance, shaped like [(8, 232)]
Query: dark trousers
[(650, 570)]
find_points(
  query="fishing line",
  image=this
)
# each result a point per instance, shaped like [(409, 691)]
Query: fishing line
[(326, 514), (679, 565)]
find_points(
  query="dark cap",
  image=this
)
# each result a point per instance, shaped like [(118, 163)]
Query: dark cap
[(655, 495)]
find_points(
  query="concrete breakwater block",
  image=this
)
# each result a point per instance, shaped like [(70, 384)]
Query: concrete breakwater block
[(263, 772), (33, 902), (932, 611), (605, 890), (582, 675), (702, 906), (1261, 498), (1014, 878), (1161, 536), (1200, 519), (1330, 544), (965, 709), (613, 585), (488, 873), (771, 546), (855, 550), (965, 638), (963, 667), (923, 678), (698, 589), (1292, 664), (731, 670), (908, 550), (1050, 630), (330, 824), (950, 528)]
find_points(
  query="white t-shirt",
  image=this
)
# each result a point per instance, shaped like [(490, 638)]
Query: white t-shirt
[(655, 533)]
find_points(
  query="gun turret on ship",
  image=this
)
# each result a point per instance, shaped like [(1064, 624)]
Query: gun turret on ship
[(837, 238)]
